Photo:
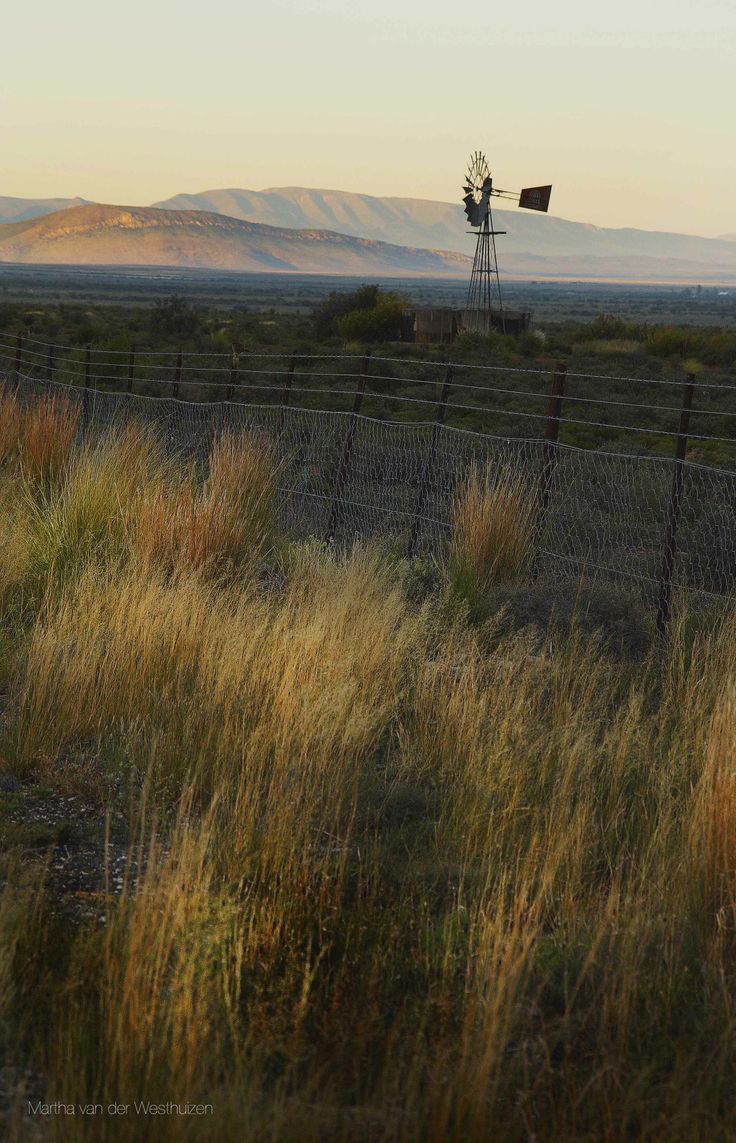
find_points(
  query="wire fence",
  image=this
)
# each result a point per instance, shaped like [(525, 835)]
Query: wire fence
[(639, 412), (663, 526)]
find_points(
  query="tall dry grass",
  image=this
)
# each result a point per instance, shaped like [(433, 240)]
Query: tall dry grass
[(11, 424), (82, 518), (227, 521), (492, 525), (402, 878), (49, 431), (39, 436)]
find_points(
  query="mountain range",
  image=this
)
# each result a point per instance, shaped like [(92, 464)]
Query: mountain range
[(308, 230), (102, 235)]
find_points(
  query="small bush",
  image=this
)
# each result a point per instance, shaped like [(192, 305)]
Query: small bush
[(381, 323), (175, 318), (609, 327), (366, 314)]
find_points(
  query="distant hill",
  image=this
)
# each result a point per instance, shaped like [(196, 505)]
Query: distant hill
[(145, 236), (441, 225), (536, 246), (20, 209)]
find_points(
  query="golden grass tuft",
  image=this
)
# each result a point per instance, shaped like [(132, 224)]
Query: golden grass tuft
[(226, 522), (713, 826), (48, 436), (12, 418), (83, 517), (492, 525)]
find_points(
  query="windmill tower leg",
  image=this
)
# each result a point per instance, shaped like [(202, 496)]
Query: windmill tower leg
[(485, 282), (493, 267)]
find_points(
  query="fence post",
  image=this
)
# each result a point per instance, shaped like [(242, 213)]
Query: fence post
[(286, 393), (664, 601), (342, 472), (18, 363), (233, 379), (50, 363), (131, 369), (85, 395), (439, 420), (177, 374), (549, 457)]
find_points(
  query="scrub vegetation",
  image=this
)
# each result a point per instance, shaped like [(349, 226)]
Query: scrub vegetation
[(612, 358)]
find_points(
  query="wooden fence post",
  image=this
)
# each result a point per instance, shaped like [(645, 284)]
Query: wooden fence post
[(131, 368), (85, 395), (50, 363), (664, 601), (424, 477), (18, 363), (342, 472), (549, 457), (233, 379), (286, 393), (177, 374)]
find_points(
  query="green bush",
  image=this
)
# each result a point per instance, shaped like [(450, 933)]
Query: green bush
[(608, 327), (366, 314), (381, 323), (175, 317)]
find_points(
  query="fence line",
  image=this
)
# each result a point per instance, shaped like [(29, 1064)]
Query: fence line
[(604, 516), (306, 379)]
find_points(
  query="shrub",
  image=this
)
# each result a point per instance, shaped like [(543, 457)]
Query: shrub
[(382, 323), (609, 327), (366, 314), (175, 318)]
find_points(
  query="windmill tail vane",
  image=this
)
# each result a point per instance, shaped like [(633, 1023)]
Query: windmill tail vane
[(485, 282)]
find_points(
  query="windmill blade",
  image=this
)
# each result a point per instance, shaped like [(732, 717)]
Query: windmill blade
[(535, 198), (471, 210)]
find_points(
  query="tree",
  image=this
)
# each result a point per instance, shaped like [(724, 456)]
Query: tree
[(366, 314), (175, 317)]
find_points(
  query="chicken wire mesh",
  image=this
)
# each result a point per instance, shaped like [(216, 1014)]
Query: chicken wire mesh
[(351, 476)]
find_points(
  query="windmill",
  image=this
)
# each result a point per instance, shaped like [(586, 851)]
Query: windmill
[(485, 283)]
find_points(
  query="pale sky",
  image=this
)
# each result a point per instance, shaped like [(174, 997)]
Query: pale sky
[(626, 107)]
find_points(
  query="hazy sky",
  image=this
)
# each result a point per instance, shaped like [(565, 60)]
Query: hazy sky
[(626, 107)]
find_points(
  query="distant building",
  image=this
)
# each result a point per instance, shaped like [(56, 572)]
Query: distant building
[(441, 324)]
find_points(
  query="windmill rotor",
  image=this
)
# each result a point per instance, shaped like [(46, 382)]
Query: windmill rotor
[(478, 187)]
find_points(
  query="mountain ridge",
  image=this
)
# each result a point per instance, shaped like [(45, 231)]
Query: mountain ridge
[(537, 246), (22, 209), (439, 225), (106, 234)]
